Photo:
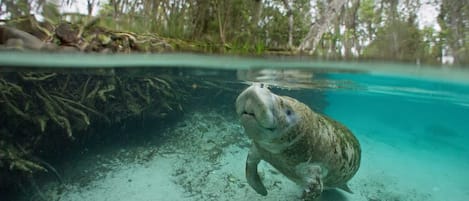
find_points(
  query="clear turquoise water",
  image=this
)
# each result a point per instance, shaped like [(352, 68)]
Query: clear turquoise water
[(414, 132), (412, 121)]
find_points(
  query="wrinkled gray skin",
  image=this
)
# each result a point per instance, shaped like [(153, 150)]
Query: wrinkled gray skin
[(312, 150)]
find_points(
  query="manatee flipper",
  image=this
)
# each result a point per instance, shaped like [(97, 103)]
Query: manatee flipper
[(314, 185), (252, 175), (345, 188)]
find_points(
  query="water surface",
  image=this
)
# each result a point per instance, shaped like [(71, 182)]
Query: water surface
[(410, 120)]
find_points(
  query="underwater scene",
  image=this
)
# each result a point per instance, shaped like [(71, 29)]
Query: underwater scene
[(193, 128)]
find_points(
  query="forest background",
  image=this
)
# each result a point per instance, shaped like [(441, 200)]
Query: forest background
[(327, 29)]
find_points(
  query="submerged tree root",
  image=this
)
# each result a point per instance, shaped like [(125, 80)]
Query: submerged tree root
[(51, 111), (36, 188), (33, 77), (37, 106), (82, 106), (49, 168)]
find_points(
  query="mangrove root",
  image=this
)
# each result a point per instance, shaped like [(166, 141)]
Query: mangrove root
[(15, 160), (36, 188), (68, 107), (51, 109), (85, 87), (49, 168), (30, 77), (15, 109), (101, 93), (82, 106)]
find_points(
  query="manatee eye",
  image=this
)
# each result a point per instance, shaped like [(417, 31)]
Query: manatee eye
[(289, 112)]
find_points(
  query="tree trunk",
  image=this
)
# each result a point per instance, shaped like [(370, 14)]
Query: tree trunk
[(452, 17), (316, 31), (350, 26), (256, 13), (290, 22), (221, 20), (201, 18), (90, 6)]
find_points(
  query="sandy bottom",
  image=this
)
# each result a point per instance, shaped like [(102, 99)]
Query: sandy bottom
[(202, 158)]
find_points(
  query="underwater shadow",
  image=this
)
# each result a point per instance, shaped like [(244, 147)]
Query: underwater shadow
[(332, 195)]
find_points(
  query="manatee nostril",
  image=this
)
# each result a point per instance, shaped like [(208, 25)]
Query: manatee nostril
[(250, 114)]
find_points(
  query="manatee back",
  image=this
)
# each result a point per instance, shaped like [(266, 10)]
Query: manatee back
[(327, 142)]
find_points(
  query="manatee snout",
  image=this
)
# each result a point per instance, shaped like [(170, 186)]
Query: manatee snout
[(254, 106)]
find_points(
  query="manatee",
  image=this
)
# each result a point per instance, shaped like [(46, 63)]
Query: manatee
[(311, 149)]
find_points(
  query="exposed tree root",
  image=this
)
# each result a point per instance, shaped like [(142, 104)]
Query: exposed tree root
[(102, 92), (36, 188), (68, 107), (92, 94), (16, 159), (53, 114), (85, 87), (49, 168), (32, 77), (67, 80), (13, 107), (83, 107), (47, 103)]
